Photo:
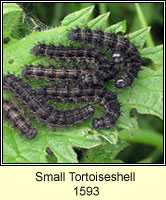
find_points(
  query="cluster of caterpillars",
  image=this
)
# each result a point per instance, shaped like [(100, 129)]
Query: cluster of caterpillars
[(83, 81), (39, 108)]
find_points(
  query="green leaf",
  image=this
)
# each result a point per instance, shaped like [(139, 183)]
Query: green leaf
[(144, 137), (119, 27), (20, 150), (60, 141), (105, 153), (125, 121), (80, 17), (99, 22), (146, 94), (18, 62), (110, 134), (154, 53), (11, 14), (139, 37), (116, 161)]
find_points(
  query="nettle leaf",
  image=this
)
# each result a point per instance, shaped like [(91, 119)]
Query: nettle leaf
[(139, 37), (57, 35), (105, 153), (60, 141), (111, 135), (145, 95), (154, 53), (18, 149), (116, 28), (80, 17), (11, 14), (99, 22)]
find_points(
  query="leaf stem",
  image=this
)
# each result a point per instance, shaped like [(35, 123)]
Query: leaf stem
[(102, 8), (145, 137), (143, 22), (152, 157)]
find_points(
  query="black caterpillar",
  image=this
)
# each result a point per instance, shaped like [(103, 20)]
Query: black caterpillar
[(49, 151), (6, 40), (103, 97), (14, 115), (87, 83), (40, 109), (83, 75), (74, 74), (70, 53), (121, 48), (133, 112), (51, 73), (68, 118)]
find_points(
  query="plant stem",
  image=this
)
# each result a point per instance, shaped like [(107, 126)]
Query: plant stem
[(102, 8), (145, 137), (152, 158), (143, 22)]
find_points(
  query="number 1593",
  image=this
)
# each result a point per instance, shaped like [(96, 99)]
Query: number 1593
[(82, 191)]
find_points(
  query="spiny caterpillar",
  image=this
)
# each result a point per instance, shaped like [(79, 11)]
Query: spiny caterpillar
[(68, 118), (74, 74), (40, 109), (14, 115), (104, 69), (103, 97), (121, 48), (70, 53)]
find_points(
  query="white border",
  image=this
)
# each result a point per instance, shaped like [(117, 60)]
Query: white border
[(77, 164)]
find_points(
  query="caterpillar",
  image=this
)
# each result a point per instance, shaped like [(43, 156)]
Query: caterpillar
[(105, 69), (103, 97), (121, 48), (51, 73), (110, 41), (14, 115), (26, 95), (49, 151), (73, 74), (6, 40), (68, 118), (107, 120), (133, 112), (70, 53), (40, 109)]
